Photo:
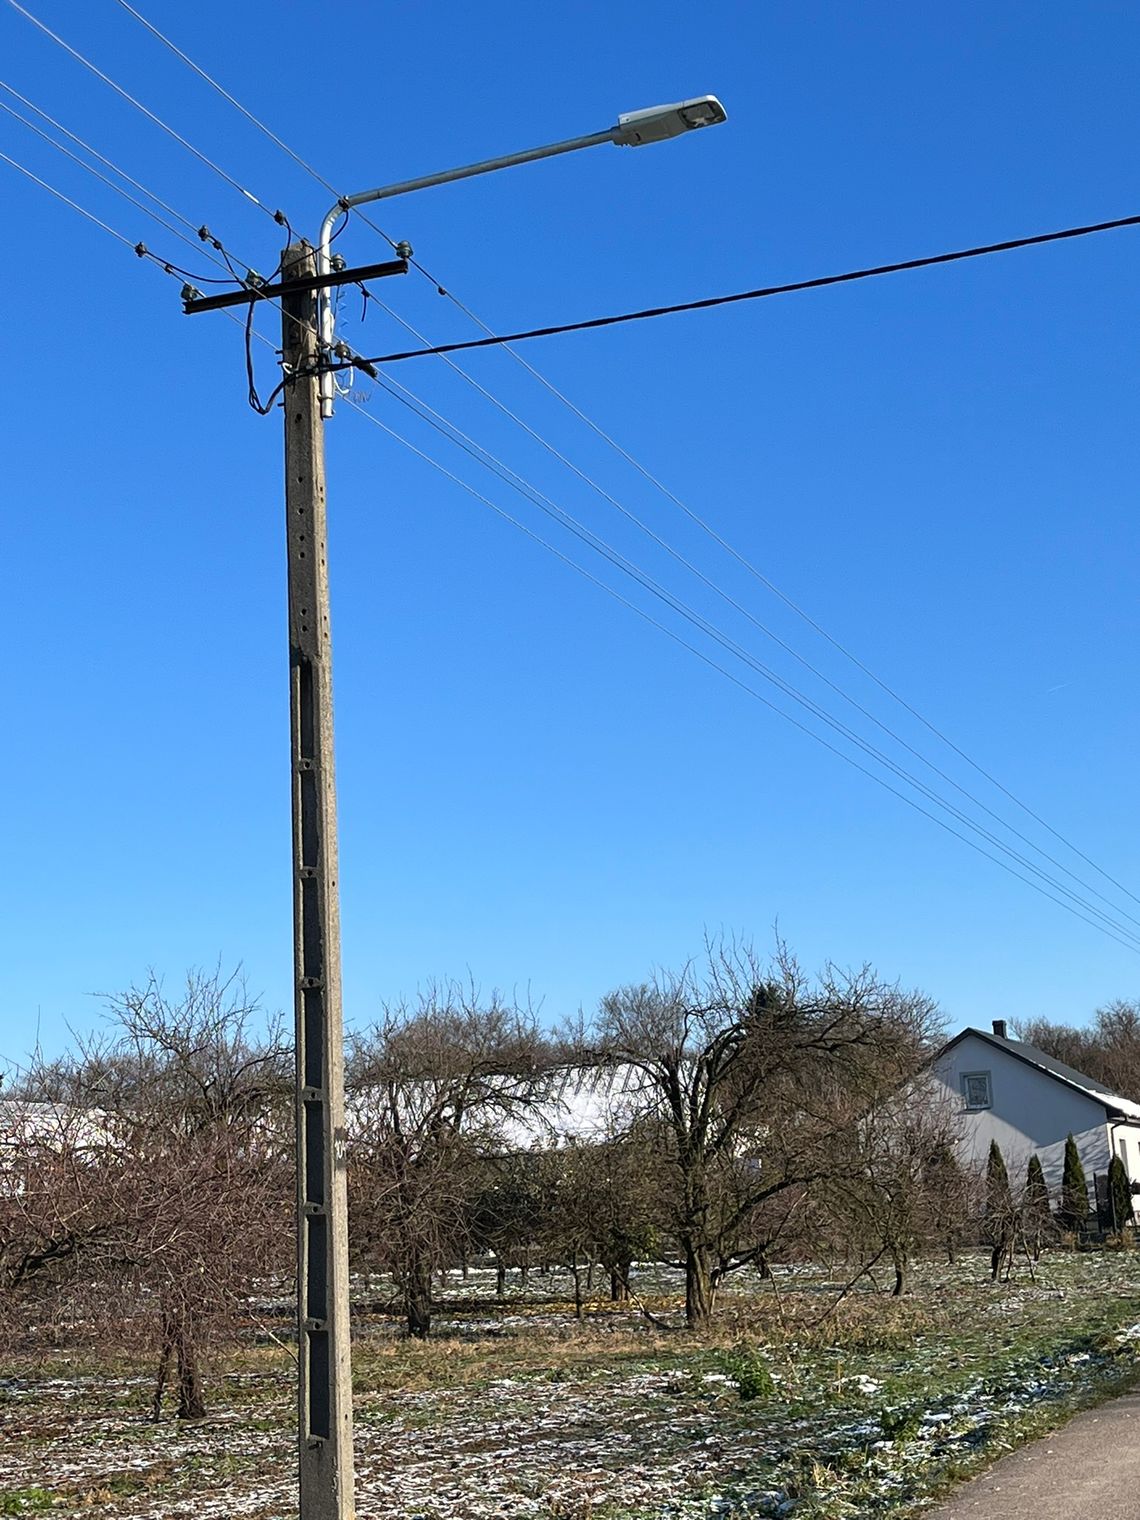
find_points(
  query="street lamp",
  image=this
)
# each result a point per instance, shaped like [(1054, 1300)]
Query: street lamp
[(634, 129), (324, 1380)]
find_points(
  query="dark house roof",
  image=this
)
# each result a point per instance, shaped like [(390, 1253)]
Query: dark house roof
[(1121, 1108)]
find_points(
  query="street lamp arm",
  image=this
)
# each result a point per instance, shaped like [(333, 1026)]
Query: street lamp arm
[(405, 187), (444, 177), (487, 166)]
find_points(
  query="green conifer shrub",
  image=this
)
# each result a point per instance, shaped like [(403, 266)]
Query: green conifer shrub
[(1074, 1211), (1119, 1194), (1035, 1207), (998, 1220)]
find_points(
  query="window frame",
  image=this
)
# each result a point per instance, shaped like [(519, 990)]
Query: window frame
[(987, 1078)]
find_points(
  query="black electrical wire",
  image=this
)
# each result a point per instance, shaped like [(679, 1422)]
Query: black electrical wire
[(763, 291)]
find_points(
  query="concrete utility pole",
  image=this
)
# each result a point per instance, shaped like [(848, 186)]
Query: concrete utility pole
[(324, 1355)]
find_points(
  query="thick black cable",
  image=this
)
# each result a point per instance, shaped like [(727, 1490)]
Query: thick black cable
[(762, 292)]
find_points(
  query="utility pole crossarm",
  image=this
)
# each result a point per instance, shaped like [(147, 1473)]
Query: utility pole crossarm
[(191, 305)]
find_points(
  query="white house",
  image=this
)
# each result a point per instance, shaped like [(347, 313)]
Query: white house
[(1030, 1103)]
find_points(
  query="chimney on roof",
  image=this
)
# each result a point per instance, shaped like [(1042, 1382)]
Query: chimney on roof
[(999, 1029)]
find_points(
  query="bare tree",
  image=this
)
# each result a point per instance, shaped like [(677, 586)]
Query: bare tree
[(899, 1188), (753, 1071), (433, 1088), (155, 1168), (608, 1208)]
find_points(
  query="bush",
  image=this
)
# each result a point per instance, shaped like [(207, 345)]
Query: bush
[(747, 1368), (900, 1422)]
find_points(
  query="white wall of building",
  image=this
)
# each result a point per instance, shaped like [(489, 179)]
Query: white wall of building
[(1030, 1112)]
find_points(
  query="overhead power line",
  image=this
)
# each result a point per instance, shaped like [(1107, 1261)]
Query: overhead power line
[(277, 216), (746, 612), (140, 248), (225, 94), (596, 542), (820, 282), (67, 201), (729, 675)]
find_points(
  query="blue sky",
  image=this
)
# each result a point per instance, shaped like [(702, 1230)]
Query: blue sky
[(536, 787)]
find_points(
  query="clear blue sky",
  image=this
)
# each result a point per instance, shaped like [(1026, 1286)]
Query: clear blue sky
[(535, 786)]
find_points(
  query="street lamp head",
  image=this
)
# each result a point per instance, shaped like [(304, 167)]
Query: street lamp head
[(635, 128)]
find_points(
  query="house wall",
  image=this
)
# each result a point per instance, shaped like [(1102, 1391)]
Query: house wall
[(1126, 1143), (1031, 1112)]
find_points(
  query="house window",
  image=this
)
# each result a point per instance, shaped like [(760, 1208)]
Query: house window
[(976, 1089)]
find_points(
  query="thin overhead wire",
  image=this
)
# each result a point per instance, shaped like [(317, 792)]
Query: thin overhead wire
[(225, 94), (722, 670), (94, 152), (194, 243), (756, 622), (976, 251), (140, 250), (146, 111), (729, 548), (594, 541), (255, 121), (67, 201)]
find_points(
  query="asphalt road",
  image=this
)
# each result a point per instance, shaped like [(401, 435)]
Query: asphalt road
[(1091, 1466)]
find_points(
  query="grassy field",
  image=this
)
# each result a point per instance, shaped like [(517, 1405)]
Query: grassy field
[(792, 1406)]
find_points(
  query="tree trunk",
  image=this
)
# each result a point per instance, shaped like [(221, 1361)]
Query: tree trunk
[(589, 1277), (995, 1261), (500, 1279), (619, 1282), (700, 1293), (417, 1299), (577, 1286), (900, 1276), (178, 1343), (765, 1269)]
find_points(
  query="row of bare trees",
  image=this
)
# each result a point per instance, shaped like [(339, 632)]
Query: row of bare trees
[(715, 1118), (735, 1109)]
